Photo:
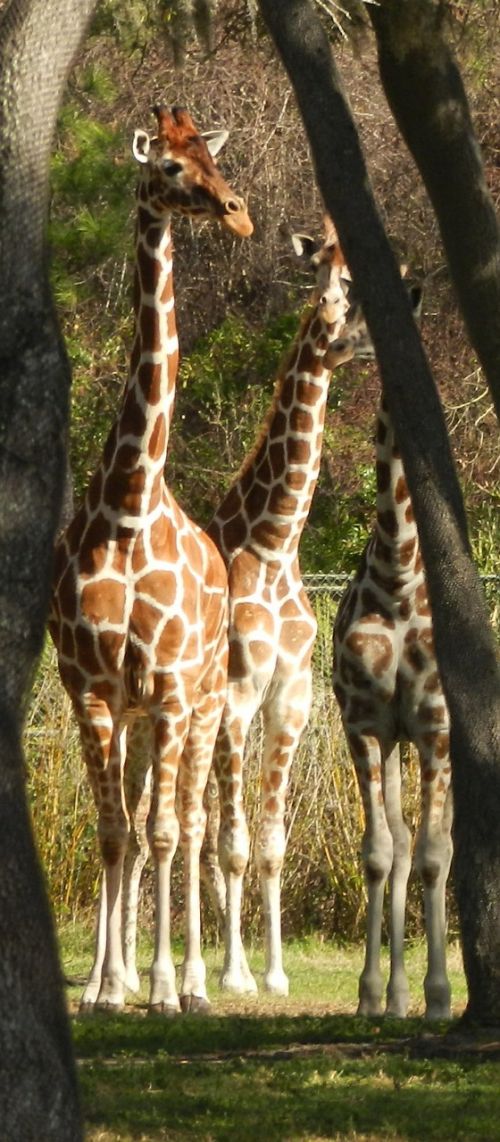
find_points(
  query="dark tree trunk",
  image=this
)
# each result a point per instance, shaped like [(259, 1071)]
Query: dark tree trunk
[(38, 39), (465, 644), (425, 92)]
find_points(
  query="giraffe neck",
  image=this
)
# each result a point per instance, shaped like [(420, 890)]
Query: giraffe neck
[(268, 504), (135, 453), (394, 550)]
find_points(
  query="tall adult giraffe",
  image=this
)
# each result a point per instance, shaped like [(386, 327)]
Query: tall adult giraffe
[(257, 528), (139, 614), (388, 687)]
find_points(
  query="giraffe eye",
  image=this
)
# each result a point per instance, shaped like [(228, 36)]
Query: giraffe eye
[(171, 168)]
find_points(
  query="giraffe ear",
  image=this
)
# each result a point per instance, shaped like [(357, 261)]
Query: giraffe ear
[(304, 246), (140, 146), (215, 141)]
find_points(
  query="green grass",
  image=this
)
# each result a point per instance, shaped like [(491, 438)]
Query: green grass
[(304, 1068)]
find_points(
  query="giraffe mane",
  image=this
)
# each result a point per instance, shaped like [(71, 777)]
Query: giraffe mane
[(283, 369)]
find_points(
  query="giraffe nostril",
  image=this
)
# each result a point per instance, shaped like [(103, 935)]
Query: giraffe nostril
[(233, 205)]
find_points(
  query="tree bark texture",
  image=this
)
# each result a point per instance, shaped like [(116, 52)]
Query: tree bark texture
[(38, 39), (465, 644), (425, 92)]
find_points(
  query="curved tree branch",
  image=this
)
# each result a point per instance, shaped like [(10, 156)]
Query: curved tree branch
[(426, 94)]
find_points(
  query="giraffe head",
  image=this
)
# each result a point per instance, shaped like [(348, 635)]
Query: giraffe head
[(332, 278), (356, 336), (179, 174)]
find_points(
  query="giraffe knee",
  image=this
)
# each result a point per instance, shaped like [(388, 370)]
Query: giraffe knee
[(270, 866), (377, 859), (234, 848), (432, 860), (112, 849), (375, 872), (163, 839), (113, 840), (270, 851)]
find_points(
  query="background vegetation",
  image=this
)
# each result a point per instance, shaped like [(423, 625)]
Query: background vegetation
[(237, 306)]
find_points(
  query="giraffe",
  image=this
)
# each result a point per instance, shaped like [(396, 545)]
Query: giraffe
[(389, 690), (139, 605), (257, 529)]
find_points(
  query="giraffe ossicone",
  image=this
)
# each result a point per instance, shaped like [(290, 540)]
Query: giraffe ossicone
[(387, 683), (139, 604)]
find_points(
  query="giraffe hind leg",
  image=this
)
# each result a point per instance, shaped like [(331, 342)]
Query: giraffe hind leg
[(377, 859), (93, 984), (210, 870), (398, 994), (104, 745), (234, 841), (433, 853), (285, 715), (137, 785)]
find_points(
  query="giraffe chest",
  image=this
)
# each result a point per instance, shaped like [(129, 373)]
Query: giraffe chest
[(136, 608)]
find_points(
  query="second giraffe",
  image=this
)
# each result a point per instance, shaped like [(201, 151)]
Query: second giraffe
[(272, 628)]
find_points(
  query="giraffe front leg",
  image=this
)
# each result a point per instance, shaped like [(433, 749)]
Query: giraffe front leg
[(91, 991), (135, 859), (285, 713), (137, 793), (433, 853), (398, 992), (193, 776), (377, 856), (137, 785), (210, 869), (170, 731), (112, 989), (104, 746), (234, 844), (270, 852)]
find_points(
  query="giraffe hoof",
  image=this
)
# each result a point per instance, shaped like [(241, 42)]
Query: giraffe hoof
[(86, 1007), (132, 982), (167, 1010), (105, 1007), (276, 983), (194, 1005)]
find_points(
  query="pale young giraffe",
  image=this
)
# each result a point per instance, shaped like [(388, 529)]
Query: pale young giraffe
[(388, 687), (139, 612), (257, 528)]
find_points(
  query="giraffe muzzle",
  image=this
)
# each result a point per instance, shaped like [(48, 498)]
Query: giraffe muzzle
[(236, 217)]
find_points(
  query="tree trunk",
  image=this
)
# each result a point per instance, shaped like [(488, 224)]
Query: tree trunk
[(425, 92), (38, 39), (465, 644)]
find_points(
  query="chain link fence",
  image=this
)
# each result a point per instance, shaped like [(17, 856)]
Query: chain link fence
[(325, 591)]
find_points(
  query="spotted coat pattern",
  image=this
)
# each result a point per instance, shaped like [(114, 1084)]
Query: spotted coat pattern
[(388, 687), (139, 607), (257, 529)]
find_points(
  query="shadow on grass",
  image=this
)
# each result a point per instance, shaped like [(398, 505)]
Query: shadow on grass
[(283, 1078)]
